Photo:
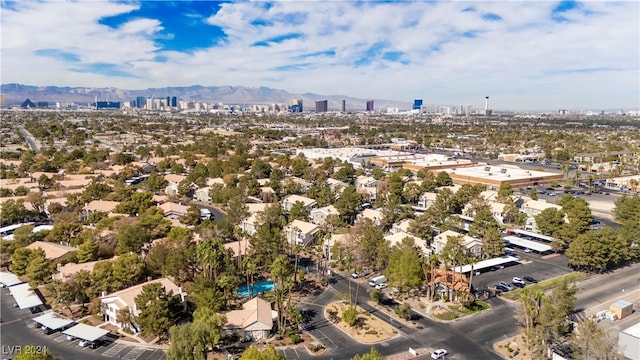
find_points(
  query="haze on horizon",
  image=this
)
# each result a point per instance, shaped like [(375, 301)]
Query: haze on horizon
[(525, 55)]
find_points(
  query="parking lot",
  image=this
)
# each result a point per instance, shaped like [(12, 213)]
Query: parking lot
[(531, 264), (18, 329)]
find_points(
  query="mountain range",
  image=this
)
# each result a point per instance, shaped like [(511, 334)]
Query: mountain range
[(16, 94)]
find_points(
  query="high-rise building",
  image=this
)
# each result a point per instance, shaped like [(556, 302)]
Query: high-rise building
[(344, 106), (370, 105), (322, 105), (141, 101), (296, 105), (174, 102), (417, 104), (3, 100)]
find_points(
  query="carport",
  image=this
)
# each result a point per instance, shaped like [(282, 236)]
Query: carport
[(9, 279), (24, 296), (53, 321), (533, 235), (488, 263), (530, 244), (86, 332)]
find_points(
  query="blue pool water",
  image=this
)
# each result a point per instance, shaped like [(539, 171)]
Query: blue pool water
[(258, 288)]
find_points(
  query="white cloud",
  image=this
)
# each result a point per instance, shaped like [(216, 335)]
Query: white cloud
[(526, 60)]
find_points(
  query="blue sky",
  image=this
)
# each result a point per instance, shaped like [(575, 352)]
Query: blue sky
[(525, 55)]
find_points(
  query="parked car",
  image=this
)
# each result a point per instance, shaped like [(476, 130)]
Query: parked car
[(70, 338), (84, 343), (518, 282), (527, 250), (531, 279), (502, 283), (552, 193), (439, 354), (381, 286), (503, 288), (355, 275)]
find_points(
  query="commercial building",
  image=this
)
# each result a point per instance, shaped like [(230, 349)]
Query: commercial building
[(107, 105), (370, 105), (493, 176), (417, 104), (322, 105), (296, 105)]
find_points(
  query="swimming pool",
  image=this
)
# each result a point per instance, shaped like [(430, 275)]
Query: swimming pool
[(258, 288)]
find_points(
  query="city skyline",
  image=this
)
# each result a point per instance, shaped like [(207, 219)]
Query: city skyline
[(524, 55)]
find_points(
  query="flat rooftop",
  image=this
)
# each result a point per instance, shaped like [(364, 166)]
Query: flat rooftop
[(346, 153), (499, 173)]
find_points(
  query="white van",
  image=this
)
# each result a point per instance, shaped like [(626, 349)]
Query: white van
[(377, 280)]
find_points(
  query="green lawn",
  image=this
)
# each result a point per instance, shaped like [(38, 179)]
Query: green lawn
[(547, 284)]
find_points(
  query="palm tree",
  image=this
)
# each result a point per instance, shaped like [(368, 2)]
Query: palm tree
[(250, 269)]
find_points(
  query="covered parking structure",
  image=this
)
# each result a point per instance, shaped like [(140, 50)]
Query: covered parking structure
[(86, 332), (528, 244), (8, 279), (24, 296), (52, 322), (532, 235), (484, 264)]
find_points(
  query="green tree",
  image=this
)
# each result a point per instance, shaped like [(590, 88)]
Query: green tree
[(373, 354), (186, 343), (137, 204), (550, 221), (598, 250), (492, 243), (298, 212), (158, 310), (155, 183), (348, 204), (443, 179), (131, 238), (404, 270), (88, 251), (270, 353), (482, 222), (209, 326), (20, 260), (127, 270), (590, 341), (13, 211), (40, 269), (350, 315), (281, 272), (505, 191)]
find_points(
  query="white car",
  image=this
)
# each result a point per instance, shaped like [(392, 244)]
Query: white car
[(83, 343), (439, 354), (527, 250), (518, 281), (381, 286)]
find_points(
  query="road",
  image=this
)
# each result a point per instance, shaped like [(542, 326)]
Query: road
[(17, 329), (31, 141), (433, 334)]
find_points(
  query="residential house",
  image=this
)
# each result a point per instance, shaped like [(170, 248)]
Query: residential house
[(375, 215), (69, 270), (329, 243), (319, 216), (52, 251), (126, 299), (532, 208), (397, 238), (368, 186), (174, 211), (336, 185), (402, 226), (172, 183), (99, 205), (250, 224), (425, 200), (254, 322), (471, 244), (202, 194), (289, 201), (301, 232)]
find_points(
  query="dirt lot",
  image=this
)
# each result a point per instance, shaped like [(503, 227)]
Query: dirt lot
[(368, 328)]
